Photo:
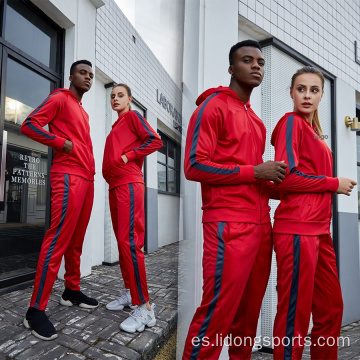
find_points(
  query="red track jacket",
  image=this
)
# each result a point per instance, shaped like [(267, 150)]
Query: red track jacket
[(225, 139), (67, 121), (306, 191), (131, 135)]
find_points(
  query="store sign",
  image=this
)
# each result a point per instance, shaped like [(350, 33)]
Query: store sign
[(166, 104), (29, 175)]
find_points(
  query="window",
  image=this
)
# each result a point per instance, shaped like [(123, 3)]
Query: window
[(169, 165)]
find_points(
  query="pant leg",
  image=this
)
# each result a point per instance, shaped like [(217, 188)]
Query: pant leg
[(296, 257), (115, 222), (327, 307), (229, 253), (73, 252), (243, 329), (131, 232), (65, 211)]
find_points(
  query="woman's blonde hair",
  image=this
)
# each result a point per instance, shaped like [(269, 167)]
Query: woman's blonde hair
[(127, 88), (311, 70)]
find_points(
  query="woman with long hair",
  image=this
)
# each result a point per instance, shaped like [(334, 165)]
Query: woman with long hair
[(307, 278), (129, 141)]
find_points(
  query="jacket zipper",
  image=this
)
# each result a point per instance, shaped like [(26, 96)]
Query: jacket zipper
[(81, 110), (257, 160)]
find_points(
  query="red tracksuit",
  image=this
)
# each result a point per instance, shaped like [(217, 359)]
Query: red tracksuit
[(72, 189), (225, 139), (131, 135), (307, 275)]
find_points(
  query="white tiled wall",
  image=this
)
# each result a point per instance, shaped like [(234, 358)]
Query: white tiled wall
[(133, 63), (322, 30)]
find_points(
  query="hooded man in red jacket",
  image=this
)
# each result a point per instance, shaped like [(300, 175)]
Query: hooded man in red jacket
[(72, 193), (224, 148)]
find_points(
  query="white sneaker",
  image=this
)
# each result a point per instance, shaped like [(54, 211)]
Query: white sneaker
[(122, 301), (138, 319)]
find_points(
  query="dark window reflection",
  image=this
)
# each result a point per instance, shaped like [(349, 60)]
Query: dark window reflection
[(28, 32)]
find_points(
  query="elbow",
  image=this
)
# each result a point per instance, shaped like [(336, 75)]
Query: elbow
[(189, 173)]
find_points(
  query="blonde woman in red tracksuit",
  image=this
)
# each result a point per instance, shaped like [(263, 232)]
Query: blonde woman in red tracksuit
[(307, 280), (129, 141)]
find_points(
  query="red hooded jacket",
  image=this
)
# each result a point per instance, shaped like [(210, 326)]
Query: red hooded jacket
[(225, 139), (306, 191), (67, 121), (131, 135)]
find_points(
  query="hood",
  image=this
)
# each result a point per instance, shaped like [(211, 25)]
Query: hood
[(67, 91), (223, 89)]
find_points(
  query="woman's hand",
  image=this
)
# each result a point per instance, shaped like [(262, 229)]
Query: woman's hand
[(125, 159), (345, 186)]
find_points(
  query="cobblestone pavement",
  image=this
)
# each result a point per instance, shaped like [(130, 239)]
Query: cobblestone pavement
[(94, 334), (349, 345)]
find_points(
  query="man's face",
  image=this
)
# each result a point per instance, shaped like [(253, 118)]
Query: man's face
[(82, 77), (248, 66)]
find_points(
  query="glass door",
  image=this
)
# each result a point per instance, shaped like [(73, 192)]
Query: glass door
[(24, 169)]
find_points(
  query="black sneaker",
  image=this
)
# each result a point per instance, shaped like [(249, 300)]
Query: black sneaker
[(73, 297), (41, 326)]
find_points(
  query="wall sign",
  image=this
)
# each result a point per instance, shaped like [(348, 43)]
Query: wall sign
[(29, 175), (166, 104)]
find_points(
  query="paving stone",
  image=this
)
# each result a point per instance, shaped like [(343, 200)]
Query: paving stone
[(86, 336), (72, 343), (12, 318), (145, 343), (44, 350), (18, 346), (97, 354), (115, 348), (123, 338), (10, 331), (74, 356)]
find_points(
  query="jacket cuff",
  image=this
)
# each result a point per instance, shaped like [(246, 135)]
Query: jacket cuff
[(58, 144), (131, 155), (247, 173), (333, 184)]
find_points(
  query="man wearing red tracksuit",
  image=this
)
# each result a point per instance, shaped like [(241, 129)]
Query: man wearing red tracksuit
[(132, 136), (307, 274), (224, 147), (72, 191)]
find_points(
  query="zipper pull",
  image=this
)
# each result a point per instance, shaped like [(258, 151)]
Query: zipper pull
[(245, 107)]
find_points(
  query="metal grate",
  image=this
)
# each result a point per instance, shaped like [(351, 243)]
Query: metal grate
[(276, 101)]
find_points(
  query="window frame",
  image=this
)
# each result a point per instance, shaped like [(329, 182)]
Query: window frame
[(177, 168)]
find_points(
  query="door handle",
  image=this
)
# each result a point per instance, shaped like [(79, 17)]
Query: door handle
[(3, 166)]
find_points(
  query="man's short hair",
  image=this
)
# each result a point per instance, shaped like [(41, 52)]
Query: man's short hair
[(240, 44), (86, 62)]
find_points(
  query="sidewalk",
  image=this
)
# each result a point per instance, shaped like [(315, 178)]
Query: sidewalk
[(94, 334)]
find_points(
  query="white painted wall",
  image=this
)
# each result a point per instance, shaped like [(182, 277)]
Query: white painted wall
[(346, 144), (161, 24), (168, 220), (323, 31)]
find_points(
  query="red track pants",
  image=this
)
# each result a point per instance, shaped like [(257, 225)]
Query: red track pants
[(236, 268), (307, 283), (128, 219), (71, 204)]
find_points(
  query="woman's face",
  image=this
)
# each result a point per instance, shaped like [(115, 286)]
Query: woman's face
[(306, 93), (120, 100)]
